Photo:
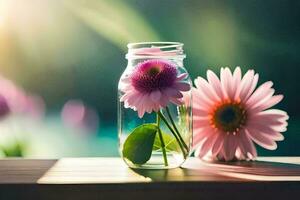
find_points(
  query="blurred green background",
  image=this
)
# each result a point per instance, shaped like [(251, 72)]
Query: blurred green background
[(70, 49)]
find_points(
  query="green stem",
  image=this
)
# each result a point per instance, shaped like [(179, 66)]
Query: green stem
[(163, 146), (176, 130), (173, 132)]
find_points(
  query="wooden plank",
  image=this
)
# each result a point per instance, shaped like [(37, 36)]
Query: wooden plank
[(23, 170), (113, 170), (110, 178)]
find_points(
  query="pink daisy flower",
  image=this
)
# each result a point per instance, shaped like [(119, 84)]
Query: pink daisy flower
[(152, 85), (229, 114)]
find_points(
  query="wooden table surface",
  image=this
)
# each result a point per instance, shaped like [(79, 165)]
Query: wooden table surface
[(110, 178)]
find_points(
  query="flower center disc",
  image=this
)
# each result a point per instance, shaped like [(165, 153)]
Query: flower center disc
[(153, 71), (229, 117), (153, 75)]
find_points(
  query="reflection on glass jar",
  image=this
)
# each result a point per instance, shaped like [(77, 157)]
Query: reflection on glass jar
[(154, 106)]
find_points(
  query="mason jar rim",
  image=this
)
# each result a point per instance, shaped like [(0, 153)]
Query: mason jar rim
[(155, 50)]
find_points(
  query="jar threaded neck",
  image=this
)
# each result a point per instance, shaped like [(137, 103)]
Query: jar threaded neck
[(155, 50)]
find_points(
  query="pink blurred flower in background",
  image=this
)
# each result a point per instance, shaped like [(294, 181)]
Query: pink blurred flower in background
[(19, 102), (152, 85), (77, 115), (4, 108), (229, 114), (17, 106)]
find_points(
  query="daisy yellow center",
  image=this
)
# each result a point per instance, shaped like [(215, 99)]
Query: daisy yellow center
[(229, 117)]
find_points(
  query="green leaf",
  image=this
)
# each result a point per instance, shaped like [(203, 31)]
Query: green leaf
[(170, 142), (138, 145)]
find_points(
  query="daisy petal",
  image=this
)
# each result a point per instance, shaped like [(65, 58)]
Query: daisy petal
[(200, 135), (202, 98), (260, 92), (270, 103), (247, 145), (261, 139), (203, 85), (226, 77), (237, 74), (217, 145), (273, 113), (207, 145), (229, 146), (248, 83), (215, 83), (252, 88)]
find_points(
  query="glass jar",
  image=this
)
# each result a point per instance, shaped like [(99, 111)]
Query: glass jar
[(154, 106)]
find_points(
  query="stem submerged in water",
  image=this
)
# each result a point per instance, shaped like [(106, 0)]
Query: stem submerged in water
[(176, 130), (173, 132), (163, 146)]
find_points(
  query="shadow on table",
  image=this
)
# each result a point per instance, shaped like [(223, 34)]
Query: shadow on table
[(264, 168), (160, 174), (254, 170), (250, 170)]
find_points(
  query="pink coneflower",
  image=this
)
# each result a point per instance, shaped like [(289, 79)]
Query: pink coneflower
[(229, 115), (152, 85)]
